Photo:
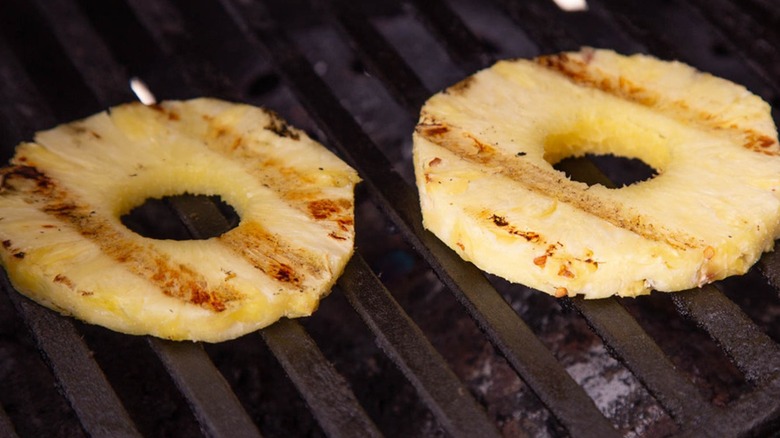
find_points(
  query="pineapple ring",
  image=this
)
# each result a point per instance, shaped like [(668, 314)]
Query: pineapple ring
[(483, 156), (64, 246)]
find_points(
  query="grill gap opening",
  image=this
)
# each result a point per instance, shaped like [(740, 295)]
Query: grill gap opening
[(27, 384), (380, 387), (263, 388), (621, 171), (146, 390), (452, 332), (760, 301), (156, 218), (689, 348), (617, 393)]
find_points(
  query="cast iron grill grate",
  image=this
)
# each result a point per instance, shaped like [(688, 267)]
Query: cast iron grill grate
[(64, 59)]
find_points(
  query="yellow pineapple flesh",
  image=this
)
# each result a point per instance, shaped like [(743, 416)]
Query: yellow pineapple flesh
[(64, 246), (484, 151)]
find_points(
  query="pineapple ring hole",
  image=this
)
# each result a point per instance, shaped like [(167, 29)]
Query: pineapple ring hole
[(159, 218), (627, 153), (620, 171)]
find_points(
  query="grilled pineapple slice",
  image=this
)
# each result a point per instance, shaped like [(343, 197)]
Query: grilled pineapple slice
[(483, 156), (64, 246)]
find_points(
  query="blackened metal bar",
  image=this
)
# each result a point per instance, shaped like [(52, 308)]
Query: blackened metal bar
[(770, 268), (752, 351), (757, 44), (80, 378), (87, 51), (757, 413), (462, 45), (524, 351), (326, 392), (378, 54), (403, 341), (640, 354), (218, 410)]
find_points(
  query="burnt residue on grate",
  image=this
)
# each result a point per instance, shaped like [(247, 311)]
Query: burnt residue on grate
[(412, 341)]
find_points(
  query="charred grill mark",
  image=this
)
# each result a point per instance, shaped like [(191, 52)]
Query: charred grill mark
[(278, 126), (174, 280), (623, 87), (8, 245), (270, 254), (500, 221), (503, 223), (550, 184)]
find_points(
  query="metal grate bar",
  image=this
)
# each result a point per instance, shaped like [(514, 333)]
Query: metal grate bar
[(214, 404), (82, 382), (757, 44), (377, 53), (457, 411), (770, 268), (507, 331), (751, 350), (89, 54), (461, 44), (639, 352), (325, 391)]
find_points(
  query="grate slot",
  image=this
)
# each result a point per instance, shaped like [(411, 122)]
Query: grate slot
[(506, 330), (325, 391), (377, 53), (461, 44), (751, 350), (403, 341), (756, 43), (216, 407), (639, 352)]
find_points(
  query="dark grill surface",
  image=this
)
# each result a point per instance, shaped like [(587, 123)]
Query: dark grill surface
[(412, 341)]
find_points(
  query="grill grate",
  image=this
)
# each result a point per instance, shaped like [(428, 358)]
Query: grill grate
[(81, 56)]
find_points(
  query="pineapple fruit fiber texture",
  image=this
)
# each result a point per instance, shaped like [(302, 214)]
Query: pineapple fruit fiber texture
[(64, 246), (484, 151)]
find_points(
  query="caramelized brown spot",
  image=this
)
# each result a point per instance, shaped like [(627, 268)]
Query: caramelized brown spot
[(336, 236), (59, 278), (432, 129), (564, 271), (326, 208), (561, 292), (527, 235), (709, 252), (7, 244), (540, 261), (460, 245), (435, 162)]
